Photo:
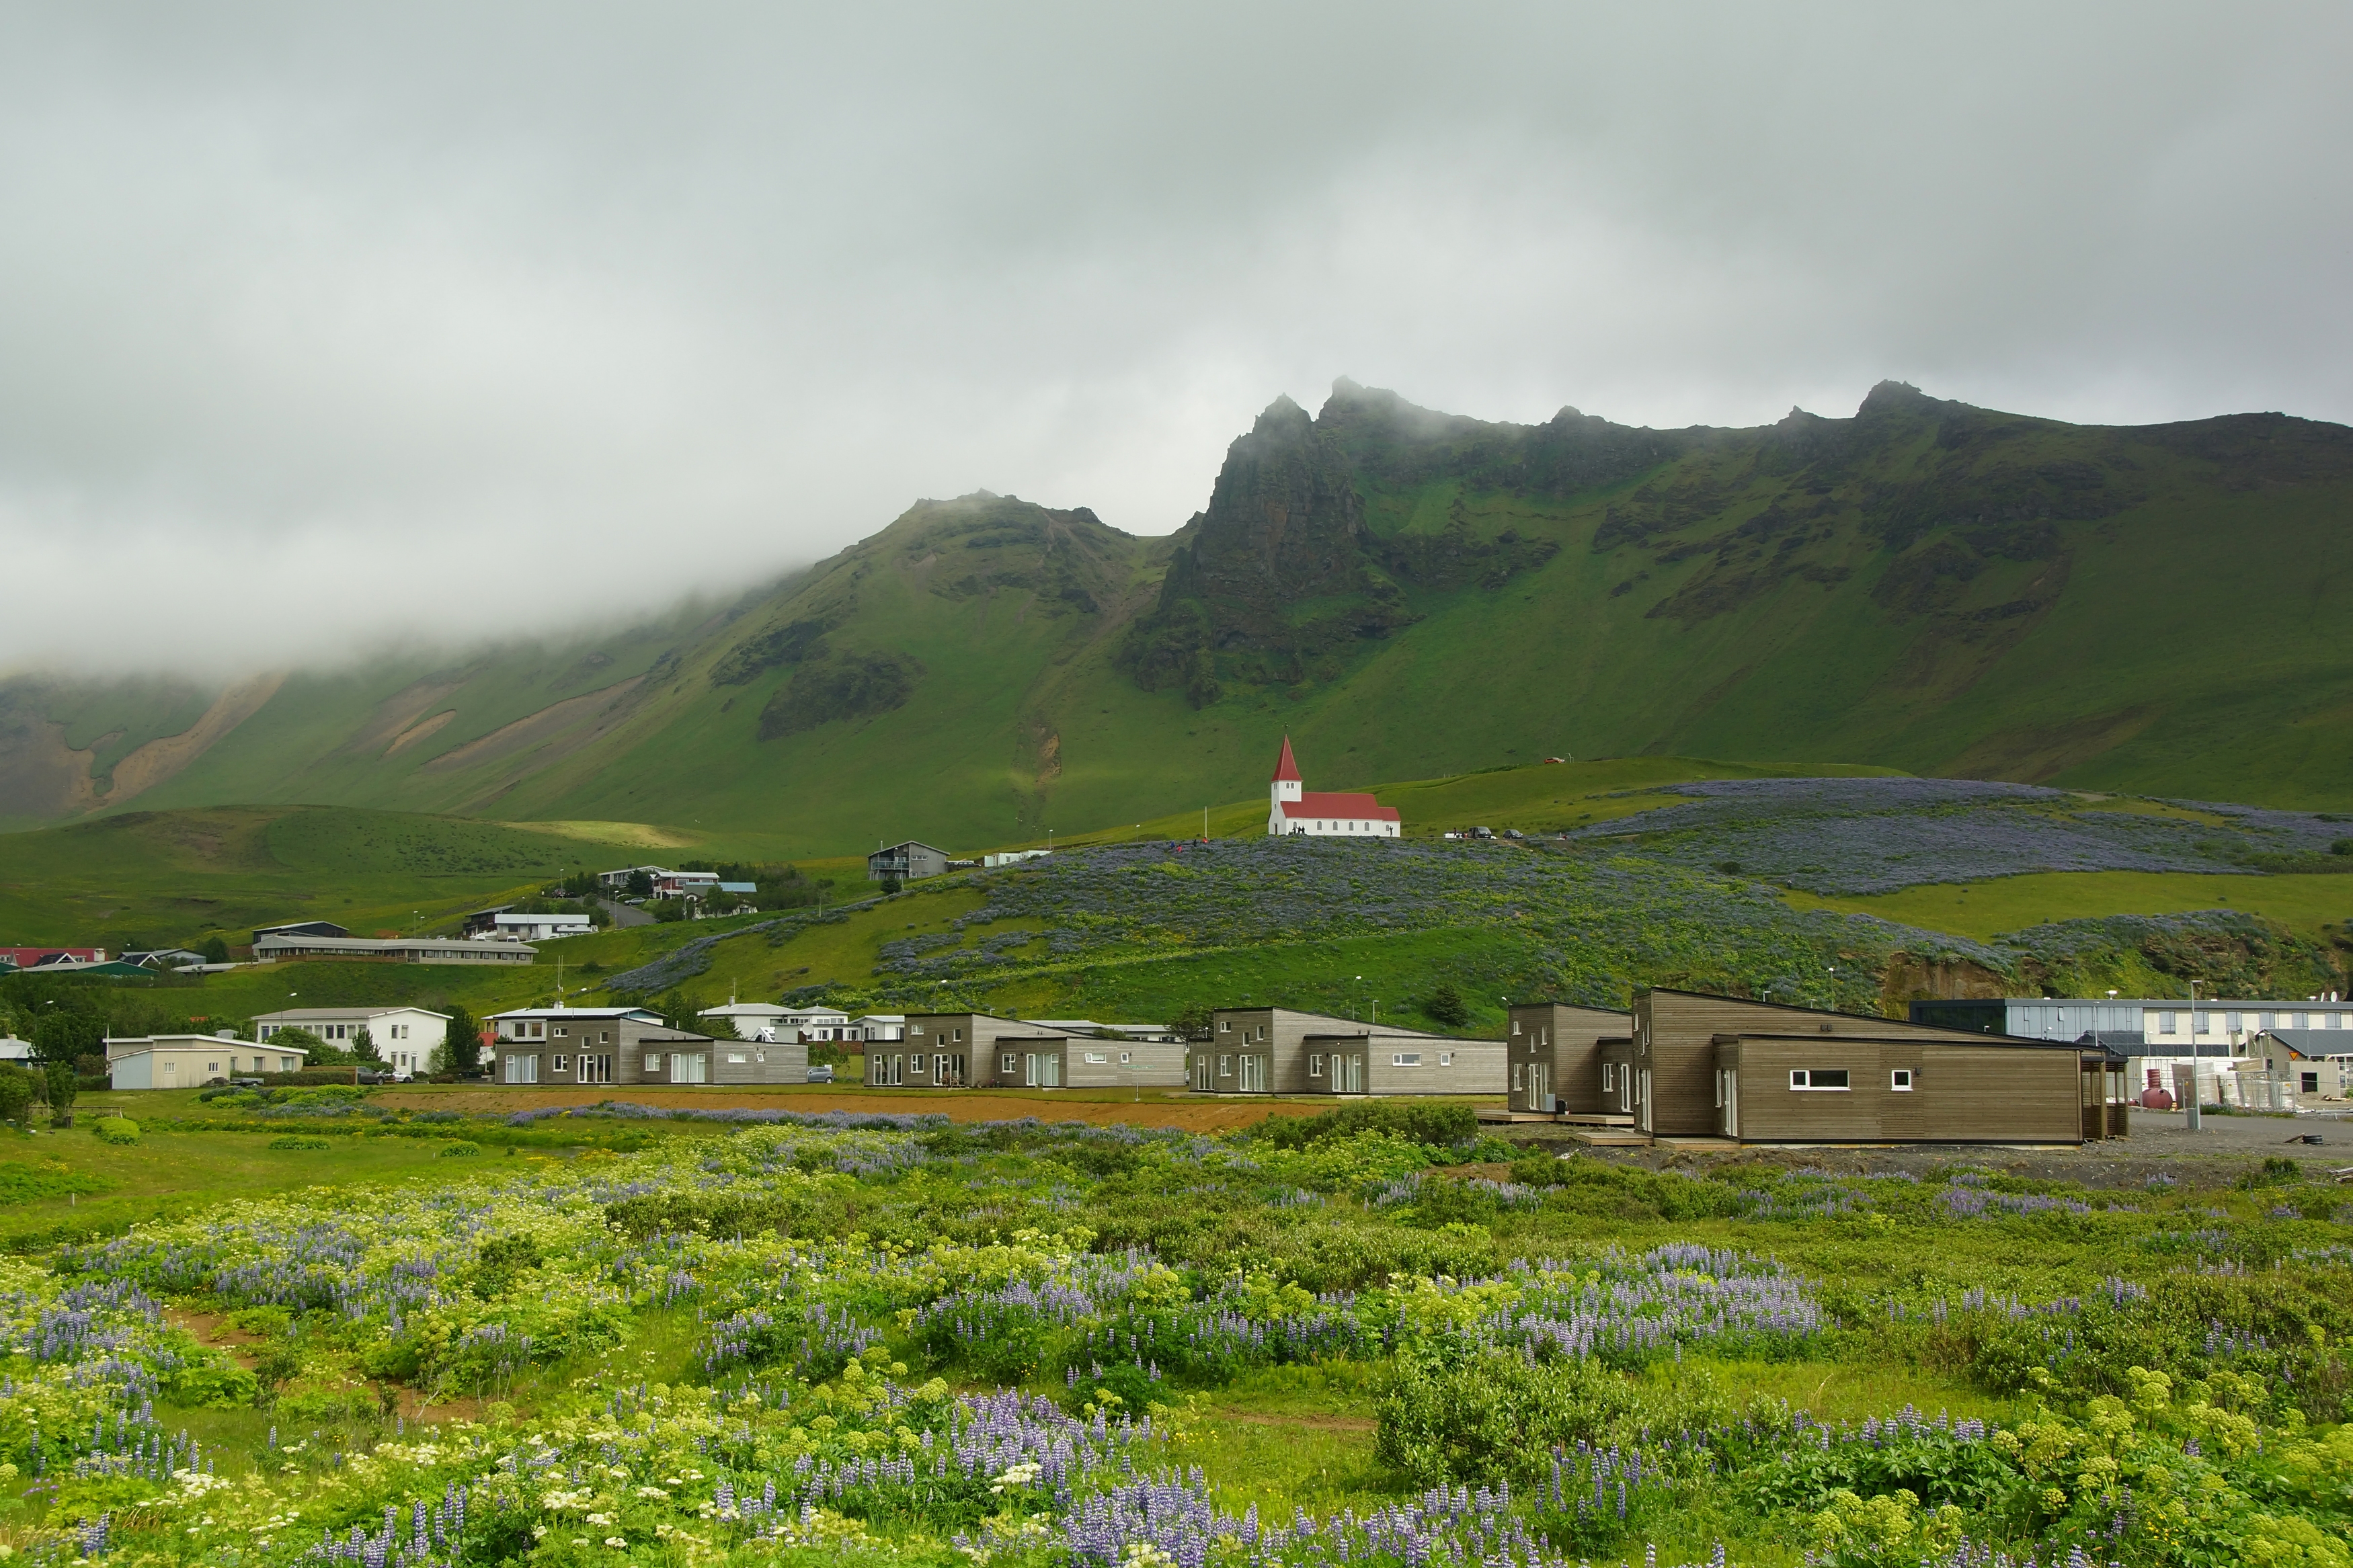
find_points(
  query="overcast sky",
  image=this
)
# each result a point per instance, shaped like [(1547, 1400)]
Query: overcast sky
[(325, 324)]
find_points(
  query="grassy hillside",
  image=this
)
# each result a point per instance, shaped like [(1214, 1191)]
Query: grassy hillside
[(1924, 587), (153, 878)]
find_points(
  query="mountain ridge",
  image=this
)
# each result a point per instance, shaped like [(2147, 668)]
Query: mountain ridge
[(1925, 585)]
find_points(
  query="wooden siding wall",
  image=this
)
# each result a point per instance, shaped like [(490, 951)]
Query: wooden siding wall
[(1570, 1041), (1960, 1092), (1478, 1066), (1155, 1064), (1674, 1033)]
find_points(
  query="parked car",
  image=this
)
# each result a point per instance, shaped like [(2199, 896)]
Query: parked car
[(821, 1074), (1514, 833), (1483, 833)]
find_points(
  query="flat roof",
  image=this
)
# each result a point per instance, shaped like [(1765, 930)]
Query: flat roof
[(578, 1013), (388, 943), (340, 1013)]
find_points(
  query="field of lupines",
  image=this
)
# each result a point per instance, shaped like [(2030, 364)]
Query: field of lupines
[(1877, 835), (1582, 920), (888, 1339)]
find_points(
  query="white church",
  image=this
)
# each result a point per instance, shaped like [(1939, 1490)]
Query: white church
[(1335, 815)]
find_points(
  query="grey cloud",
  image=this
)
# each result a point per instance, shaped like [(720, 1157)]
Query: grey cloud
[(326, 319)]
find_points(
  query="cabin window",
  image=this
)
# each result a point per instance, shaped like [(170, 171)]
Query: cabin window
[(1225, 1025), (1607, 1078), (1831, 1078), (559, 1031), (1126, 1057), (739, 1058), (1516, 1068), (1446, 1059), (1315, 1067), (1406, 1059), (1006, 1063), (1225, 1067), (1099, 1057), (1899, 1080), (561, 1064)]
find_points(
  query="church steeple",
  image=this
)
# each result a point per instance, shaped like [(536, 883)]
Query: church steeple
[(1287, 784)]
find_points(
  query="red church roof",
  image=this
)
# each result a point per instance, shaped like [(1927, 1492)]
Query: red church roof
[(1341, 805), (1287, 768)]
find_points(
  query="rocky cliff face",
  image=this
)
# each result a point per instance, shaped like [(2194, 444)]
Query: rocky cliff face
[(1275, 572), (1283, 577)]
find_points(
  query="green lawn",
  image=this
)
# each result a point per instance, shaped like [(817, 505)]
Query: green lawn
[(167, 1174)]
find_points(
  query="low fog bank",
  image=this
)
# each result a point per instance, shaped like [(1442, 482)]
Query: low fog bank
[(324, 331)]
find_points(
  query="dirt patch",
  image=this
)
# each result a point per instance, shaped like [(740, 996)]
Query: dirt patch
[(967, 1105), (1488, 1170), (212, 1330), (414, 1406)]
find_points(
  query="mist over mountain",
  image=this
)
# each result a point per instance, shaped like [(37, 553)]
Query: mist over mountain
[(1925, 585)]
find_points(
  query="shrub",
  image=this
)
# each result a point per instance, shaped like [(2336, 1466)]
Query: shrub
[(298, 1140), (1445, 1006), (450, 1149), (1492, 1417), (1439, 1126), (116, 1129), (1607, 1190)]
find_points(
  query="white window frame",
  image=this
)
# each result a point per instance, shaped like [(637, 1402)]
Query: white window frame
[(559, 1064), (1801, 1079), (1899, 1080), (1405, 1059), (1609, 1078), (1314, 1065)]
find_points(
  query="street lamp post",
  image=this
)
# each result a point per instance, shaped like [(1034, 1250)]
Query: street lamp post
[(2194, 1124)]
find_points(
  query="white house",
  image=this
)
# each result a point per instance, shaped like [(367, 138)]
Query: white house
[(1012, 857), (192, 1061), (13, 1050), (1300, 814), (877, 1027), (509, 927), (406, 1037)]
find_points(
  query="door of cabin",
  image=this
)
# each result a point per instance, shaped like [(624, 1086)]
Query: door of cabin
[(1539, 1086), (1642, 1100)]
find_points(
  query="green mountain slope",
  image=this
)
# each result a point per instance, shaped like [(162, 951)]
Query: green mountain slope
[(1926, 586)]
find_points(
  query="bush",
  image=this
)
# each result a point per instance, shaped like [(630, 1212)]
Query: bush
[(1493, 1416), (116, 1129), (1445, 1006), (450, 1148), (1606, 1191), (298, 1140), (1438, 1126)]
